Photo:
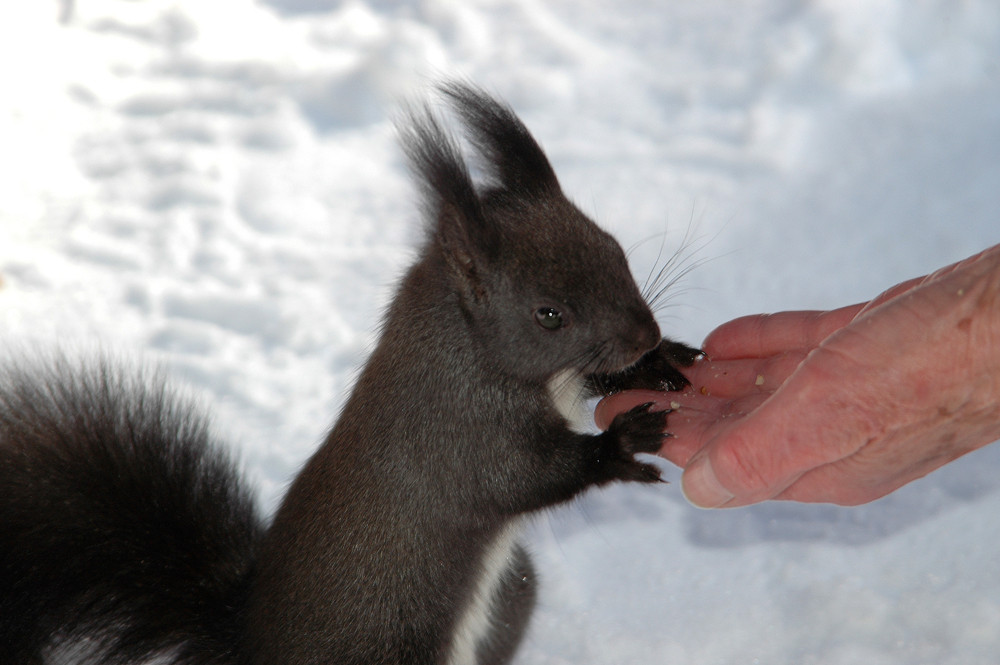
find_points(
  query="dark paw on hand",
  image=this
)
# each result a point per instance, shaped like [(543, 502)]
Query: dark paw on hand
[(660, 370), (680, 354), (638, 430), (657, 370)]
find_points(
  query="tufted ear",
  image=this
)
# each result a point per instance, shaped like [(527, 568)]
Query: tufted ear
[(466, 237), (516, 159)]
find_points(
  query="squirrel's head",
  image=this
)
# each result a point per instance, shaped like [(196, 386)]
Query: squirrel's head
[(542, 287)]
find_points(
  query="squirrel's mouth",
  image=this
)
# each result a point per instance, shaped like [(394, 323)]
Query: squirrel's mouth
[(625, 355)]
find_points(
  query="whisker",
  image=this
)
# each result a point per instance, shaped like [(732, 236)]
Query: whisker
[(659, 255), (677, 259), (669, 276), (594, 358), (661, 284)]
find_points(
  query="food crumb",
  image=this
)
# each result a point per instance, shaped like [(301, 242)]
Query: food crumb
[(760, 380), (674, 406), (703, 390)]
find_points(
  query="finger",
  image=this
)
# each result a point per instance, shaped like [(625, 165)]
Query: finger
[(742, 377), (698, 419), (731, 475), (693, 416), (708, 407), (765, 335)]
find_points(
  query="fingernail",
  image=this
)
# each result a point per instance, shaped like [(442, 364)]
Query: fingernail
[(701, 487)]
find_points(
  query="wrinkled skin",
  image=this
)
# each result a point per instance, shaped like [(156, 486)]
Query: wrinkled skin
[(843, 406)]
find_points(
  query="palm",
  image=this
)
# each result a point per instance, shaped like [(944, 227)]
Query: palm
[(843, 406)]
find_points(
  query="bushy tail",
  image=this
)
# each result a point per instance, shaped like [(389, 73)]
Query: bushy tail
[(124, 531)]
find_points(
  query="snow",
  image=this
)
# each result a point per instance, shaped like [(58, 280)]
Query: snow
[(215, 186)]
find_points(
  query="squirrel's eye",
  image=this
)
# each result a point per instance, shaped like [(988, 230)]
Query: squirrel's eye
[(549, 318)]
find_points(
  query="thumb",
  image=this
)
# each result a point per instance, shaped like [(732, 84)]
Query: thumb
[(701, 486), (756, 456), (816, 417), (726, 473)]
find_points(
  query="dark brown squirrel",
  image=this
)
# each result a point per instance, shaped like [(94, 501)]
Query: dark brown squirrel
[(127, 535)]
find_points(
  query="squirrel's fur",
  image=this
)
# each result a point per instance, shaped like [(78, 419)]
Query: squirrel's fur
[(127, 535)]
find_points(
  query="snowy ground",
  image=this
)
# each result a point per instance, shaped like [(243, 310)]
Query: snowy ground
[(215, 185)]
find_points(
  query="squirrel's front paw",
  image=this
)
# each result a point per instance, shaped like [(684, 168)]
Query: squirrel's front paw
[(657, 370), (638, 430)]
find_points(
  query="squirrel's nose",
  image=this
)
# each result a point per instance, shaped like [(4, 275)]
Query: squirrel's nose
[(645, 333)]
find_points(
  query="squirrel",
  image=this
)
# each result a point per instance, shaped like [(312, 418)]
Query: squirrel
[(128, 535)]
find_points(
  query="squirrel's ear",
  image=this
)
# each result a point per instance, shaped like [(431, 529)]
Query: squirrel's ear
[(463, 247), (457, 223), (517, 160)]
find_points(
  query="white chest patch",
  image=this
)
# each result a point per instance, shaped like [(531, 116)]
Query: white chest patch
[(567, 392), (475, 622), (87, 650)]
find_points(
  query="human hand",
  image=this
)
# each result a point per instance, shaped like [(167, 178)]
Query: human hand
[(842, 406)]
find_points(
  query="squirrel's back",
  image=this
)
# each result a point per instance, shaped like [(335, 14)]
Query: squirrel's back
[(124, 531)]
